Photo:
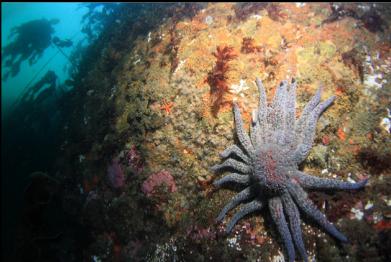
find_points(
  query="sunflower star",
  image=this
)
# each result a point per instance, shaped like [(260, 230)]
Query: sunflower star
[(267, 166)]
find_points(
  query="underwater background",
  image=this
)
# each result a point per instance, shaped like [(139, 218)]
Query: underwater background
[(113, 115)]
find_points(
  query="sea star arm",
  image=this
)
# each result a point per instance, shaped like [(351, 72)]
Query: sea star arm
[(243, 137), (312, 182), (261, 122), (299, 154), (277, 214), (244, 210), (235, 150), (262, 102), (254, 128), (275, 117), (234, 177), (294, 222), (301, 122), (279, 98), (243, 195), (290, 107), (314, 116), (306, 205), (233, 164), (309, 133)]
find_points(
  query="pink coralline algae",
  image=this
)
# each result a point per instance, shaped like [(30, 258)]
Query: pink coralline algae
[(115, 174), (134, 161), (156, 180)]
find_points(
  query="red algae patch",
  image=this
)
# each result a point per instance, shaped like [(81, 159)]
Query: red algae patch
[(154, 181)]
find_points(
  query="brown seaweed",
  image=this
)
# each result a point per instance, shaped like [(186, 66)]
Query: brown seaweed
[(217, 78), (248, 46)]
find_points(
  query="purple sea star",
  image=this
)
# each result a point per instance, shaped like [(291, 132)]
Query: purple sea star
[(267, 162)]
